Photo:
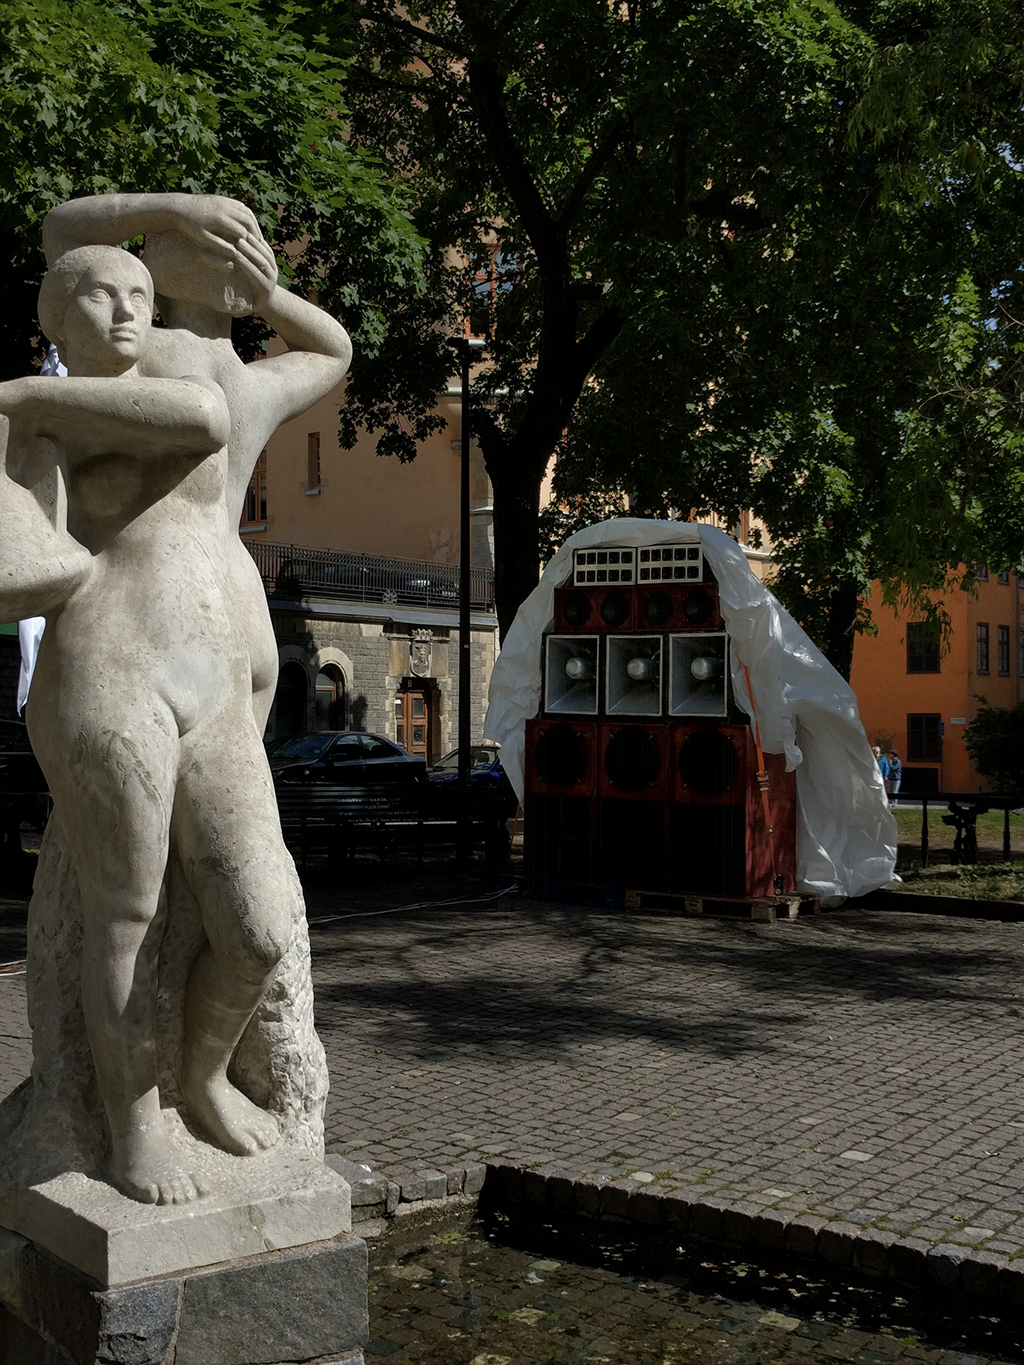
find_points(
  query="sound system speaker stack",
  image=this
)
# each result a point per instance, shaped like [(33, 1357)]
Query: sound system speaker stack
[(641, 772)]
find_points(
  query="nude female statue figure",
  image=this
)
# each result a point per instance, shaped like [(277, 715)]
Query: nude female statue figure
[(156, 669)]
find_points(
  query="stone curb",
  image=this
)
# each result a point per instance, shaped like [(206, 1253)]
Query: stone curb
[(956, 907), (377, 1198), (558, 1195), (554, 1195)]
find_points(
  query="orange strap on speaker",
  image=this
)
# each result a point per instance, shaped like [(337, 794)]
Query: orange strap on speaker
[(762, 782)]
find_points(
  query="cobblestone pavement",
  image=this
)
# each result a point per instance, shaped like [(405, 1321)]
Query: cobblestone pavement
[(460, 1299), (857, 1066)]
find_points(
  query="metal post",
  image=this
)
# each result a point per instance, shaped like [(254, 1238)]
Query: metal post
[(1006, 833), (924, 831)]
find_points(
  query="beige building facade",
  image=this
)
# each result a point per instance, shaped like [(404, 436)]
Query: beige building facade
[(359, 556)]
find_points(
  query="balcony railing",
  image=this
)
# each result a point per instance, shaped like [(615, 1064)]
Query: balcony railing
[(291, 572)]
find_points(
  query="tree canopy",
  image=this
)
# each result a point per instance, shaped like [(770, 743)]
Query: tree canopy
[(733, 254), (211, 96), (995, 742)]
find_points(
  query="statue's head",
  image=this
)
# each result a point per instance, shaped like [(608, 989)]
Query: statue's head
[(183, 270), (96, 303)]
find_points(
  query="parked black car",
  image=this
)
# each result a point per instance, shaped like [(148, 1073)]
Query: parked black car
[(486, 775), (346, 757)]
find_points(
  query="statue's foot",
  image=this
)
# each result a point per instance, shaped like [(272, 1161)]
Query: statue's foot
[(147, 1170), (230, 1118)]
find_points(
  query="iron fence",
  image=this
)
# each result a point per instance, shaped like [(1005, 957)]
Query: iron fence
[(291, 572)]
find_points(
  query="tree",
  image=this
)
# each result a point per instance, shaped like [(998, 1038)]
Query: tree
[(751, 255), (218, 96), (995, 743)]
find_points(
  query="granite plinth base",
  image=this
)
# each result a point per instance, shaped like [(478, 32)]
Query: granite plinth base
[(303, 1306)]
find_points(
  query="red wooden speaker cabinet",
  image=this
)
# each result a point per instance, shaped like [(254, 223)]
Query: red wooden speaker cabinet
[(594, 609), (677, 606), (634, 762), (560, 802), (561, 757), (718, 839)]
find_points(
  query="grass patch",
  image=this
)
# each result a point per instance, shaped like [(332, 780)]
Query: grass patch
[(978, 881)]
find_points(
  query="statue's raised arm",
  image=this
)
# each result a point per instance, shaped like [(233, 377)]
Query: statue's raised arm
[(210, 262)]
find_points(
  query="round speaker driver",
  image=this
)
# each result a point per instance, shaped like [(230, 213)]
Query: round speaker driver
[(632, 760), (698, 606), (561, 756), (615, 609), (576, 609), (658, 607), (708, 762)]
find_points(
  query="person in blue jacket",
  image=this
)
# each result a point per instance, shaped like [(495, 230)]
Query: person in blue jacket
[(895, 776)]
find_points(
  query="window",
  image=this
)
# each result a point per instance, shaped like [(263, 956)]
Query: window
[(982, 666), (329, 700), (375, 747), (491, 273), (314, 481), (924, 741), (1003, 650), (254, 512), (1020, 652), (922, 647), (981, 573), (292, 691), (1004, 577)]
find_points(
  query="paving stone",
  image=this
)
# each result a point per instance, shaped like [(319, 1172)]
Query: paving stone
[(435, 1184)]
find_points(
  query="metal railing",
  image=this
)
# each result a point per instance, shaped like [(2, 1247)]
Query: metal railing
[(291, 572)]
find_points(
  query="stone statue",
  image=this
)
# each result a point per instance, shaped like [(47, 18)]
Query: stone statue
[(163, 875)]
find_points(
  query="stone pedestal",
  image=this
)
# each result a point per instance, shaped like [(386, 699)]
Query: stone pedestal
[(277, 1308), (262, 1272)]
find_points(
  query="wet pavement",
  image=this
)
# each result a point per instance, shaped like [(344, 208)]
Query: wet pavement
[(463, 1298)]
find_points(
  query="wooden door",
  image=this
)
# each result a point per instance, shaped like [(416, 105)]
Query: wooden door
[(412, 722)]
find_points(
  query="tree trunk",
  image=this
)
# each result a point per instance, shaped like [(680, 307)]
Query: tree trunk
[(516, 542), (840, 634)]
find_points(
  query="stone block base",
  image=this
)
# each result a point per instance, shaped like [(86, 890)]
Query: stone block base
[(306, 1304)]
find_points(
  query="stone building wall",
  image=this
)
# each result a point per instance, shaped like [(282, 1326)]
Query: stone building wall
[(376, 659)]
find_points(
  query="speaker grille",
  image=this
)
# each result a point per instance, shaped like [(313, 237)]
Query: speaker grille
[(607, 565), (561, 756), (671, 564), (632, 760), (708, 762)]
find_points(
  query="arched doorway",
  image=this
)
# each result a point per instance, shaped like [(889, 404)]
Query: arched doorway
[(329, 703), (292, 694)]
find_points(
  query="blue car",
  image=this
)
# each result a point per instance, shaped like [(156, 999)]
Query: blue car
[(486, 775)]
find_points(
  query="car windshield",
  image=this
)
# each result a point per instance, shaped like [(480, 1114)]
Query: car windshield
[(301, 746), (479, 758)]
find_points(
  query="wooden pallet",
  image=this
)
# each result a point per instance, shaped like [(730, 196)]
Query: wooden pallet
[(763, 909)]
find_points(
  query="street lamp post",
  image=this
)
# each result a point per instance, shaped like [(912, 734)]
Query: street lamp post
[(464, 347)]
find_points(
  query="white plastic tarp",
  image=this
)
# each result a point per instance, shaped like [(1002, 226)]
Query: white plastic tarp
[(846, 834)]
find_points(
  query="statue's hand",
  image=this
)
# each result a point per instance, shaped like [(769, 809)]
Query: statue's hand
[(256, 263), (215, 221)]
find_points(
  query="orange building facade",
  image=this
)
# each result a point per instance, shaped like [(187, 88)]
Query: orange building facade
[(917, 696)]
